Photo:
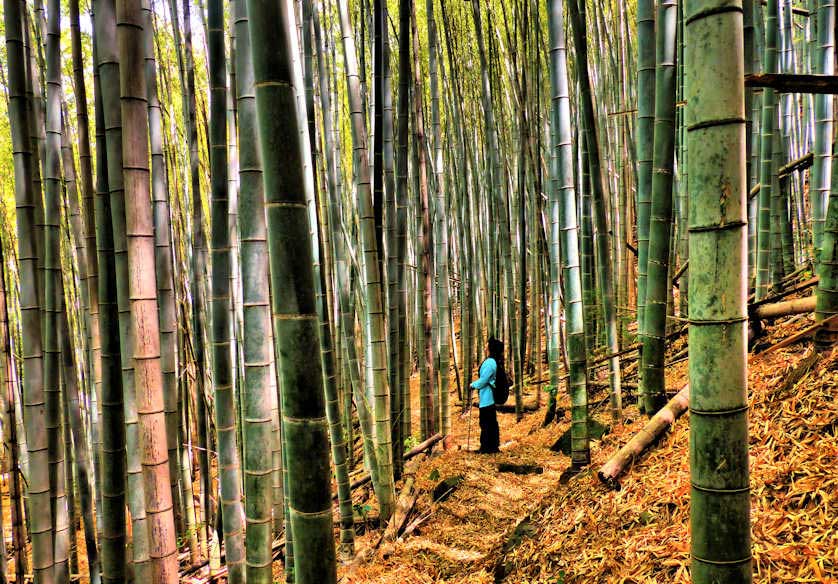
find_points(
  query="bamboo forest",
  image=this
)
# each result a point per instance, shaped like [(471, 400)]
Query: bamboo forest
[(418, 291)]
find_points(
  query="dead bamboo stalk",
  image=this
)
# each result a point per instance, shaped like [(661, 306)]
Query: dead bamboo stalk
[(617, 464), (405, 504), (786, 308)]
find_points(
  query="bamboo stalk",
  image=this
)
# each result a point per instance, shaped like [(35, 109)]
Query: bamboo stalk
[(787, 308)]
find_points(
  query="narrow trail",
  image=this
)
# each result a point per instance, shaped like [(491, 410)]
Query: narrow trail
[(464, 532)]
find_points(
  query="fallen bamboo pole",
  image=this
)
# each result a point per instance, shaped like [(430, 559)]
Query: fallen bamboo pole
[(654, 428), (786, 308)]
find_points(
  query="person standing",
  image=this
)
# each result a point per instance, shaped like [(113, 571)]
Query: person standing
[(485, 385)]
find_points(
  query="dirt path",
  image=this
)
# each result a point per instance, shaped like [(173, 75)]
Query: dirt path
[(466, 533)]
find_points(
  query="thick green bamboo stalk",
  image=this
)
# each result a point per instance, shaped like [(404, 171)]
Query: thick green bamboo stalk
[(36, 32), (752, 104), (74, 430), (376, 378), (821, 175), (768, 126), (40, 524), (295, 322), (142, 288), (779, 195), (52, 292), (336, 433), (185, 473), (440, 225), (337, 436), (331, 220), (198, 265), (554, 323), (586, 241), (682, 176), (652, 380), (564, 229), (402, 197), (827, 269), (278, 469), (604, 271), (428, 382), (69, 479), (719, 500), (327, 357), (377, 14), (109, 385), (645, 143), (826, 304), (395, 334), (91, 273), (783, 261), (257, 346), (220, 303)]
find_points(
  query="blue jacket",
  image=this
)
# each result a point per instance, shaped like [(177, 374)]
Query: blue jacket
[(486, 382)]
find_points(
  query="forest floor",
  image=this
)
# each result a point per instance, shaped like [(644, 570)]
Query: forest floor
[(538, 528), (546, 528)]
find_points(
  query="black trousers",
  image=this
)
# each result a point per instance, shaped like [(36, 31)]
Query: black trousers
[(489, 431)]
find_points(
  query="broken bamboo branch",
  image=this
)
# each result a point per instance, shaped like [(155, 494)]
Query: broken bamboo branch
[(801, 335)]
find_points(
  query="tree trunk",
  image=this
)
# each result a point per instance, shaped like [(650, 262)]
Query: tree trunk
[(564, 232), (645, 144), (229, 467), (109, 386), (604, 271), (658, 284), (164, 259), (718, 374), (376, 378), (295, 323), (52, 293), (768, 125), (142, 284)]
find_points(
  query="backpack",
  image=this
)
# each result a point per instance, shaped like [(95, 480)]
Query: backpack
[(501, 389)]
